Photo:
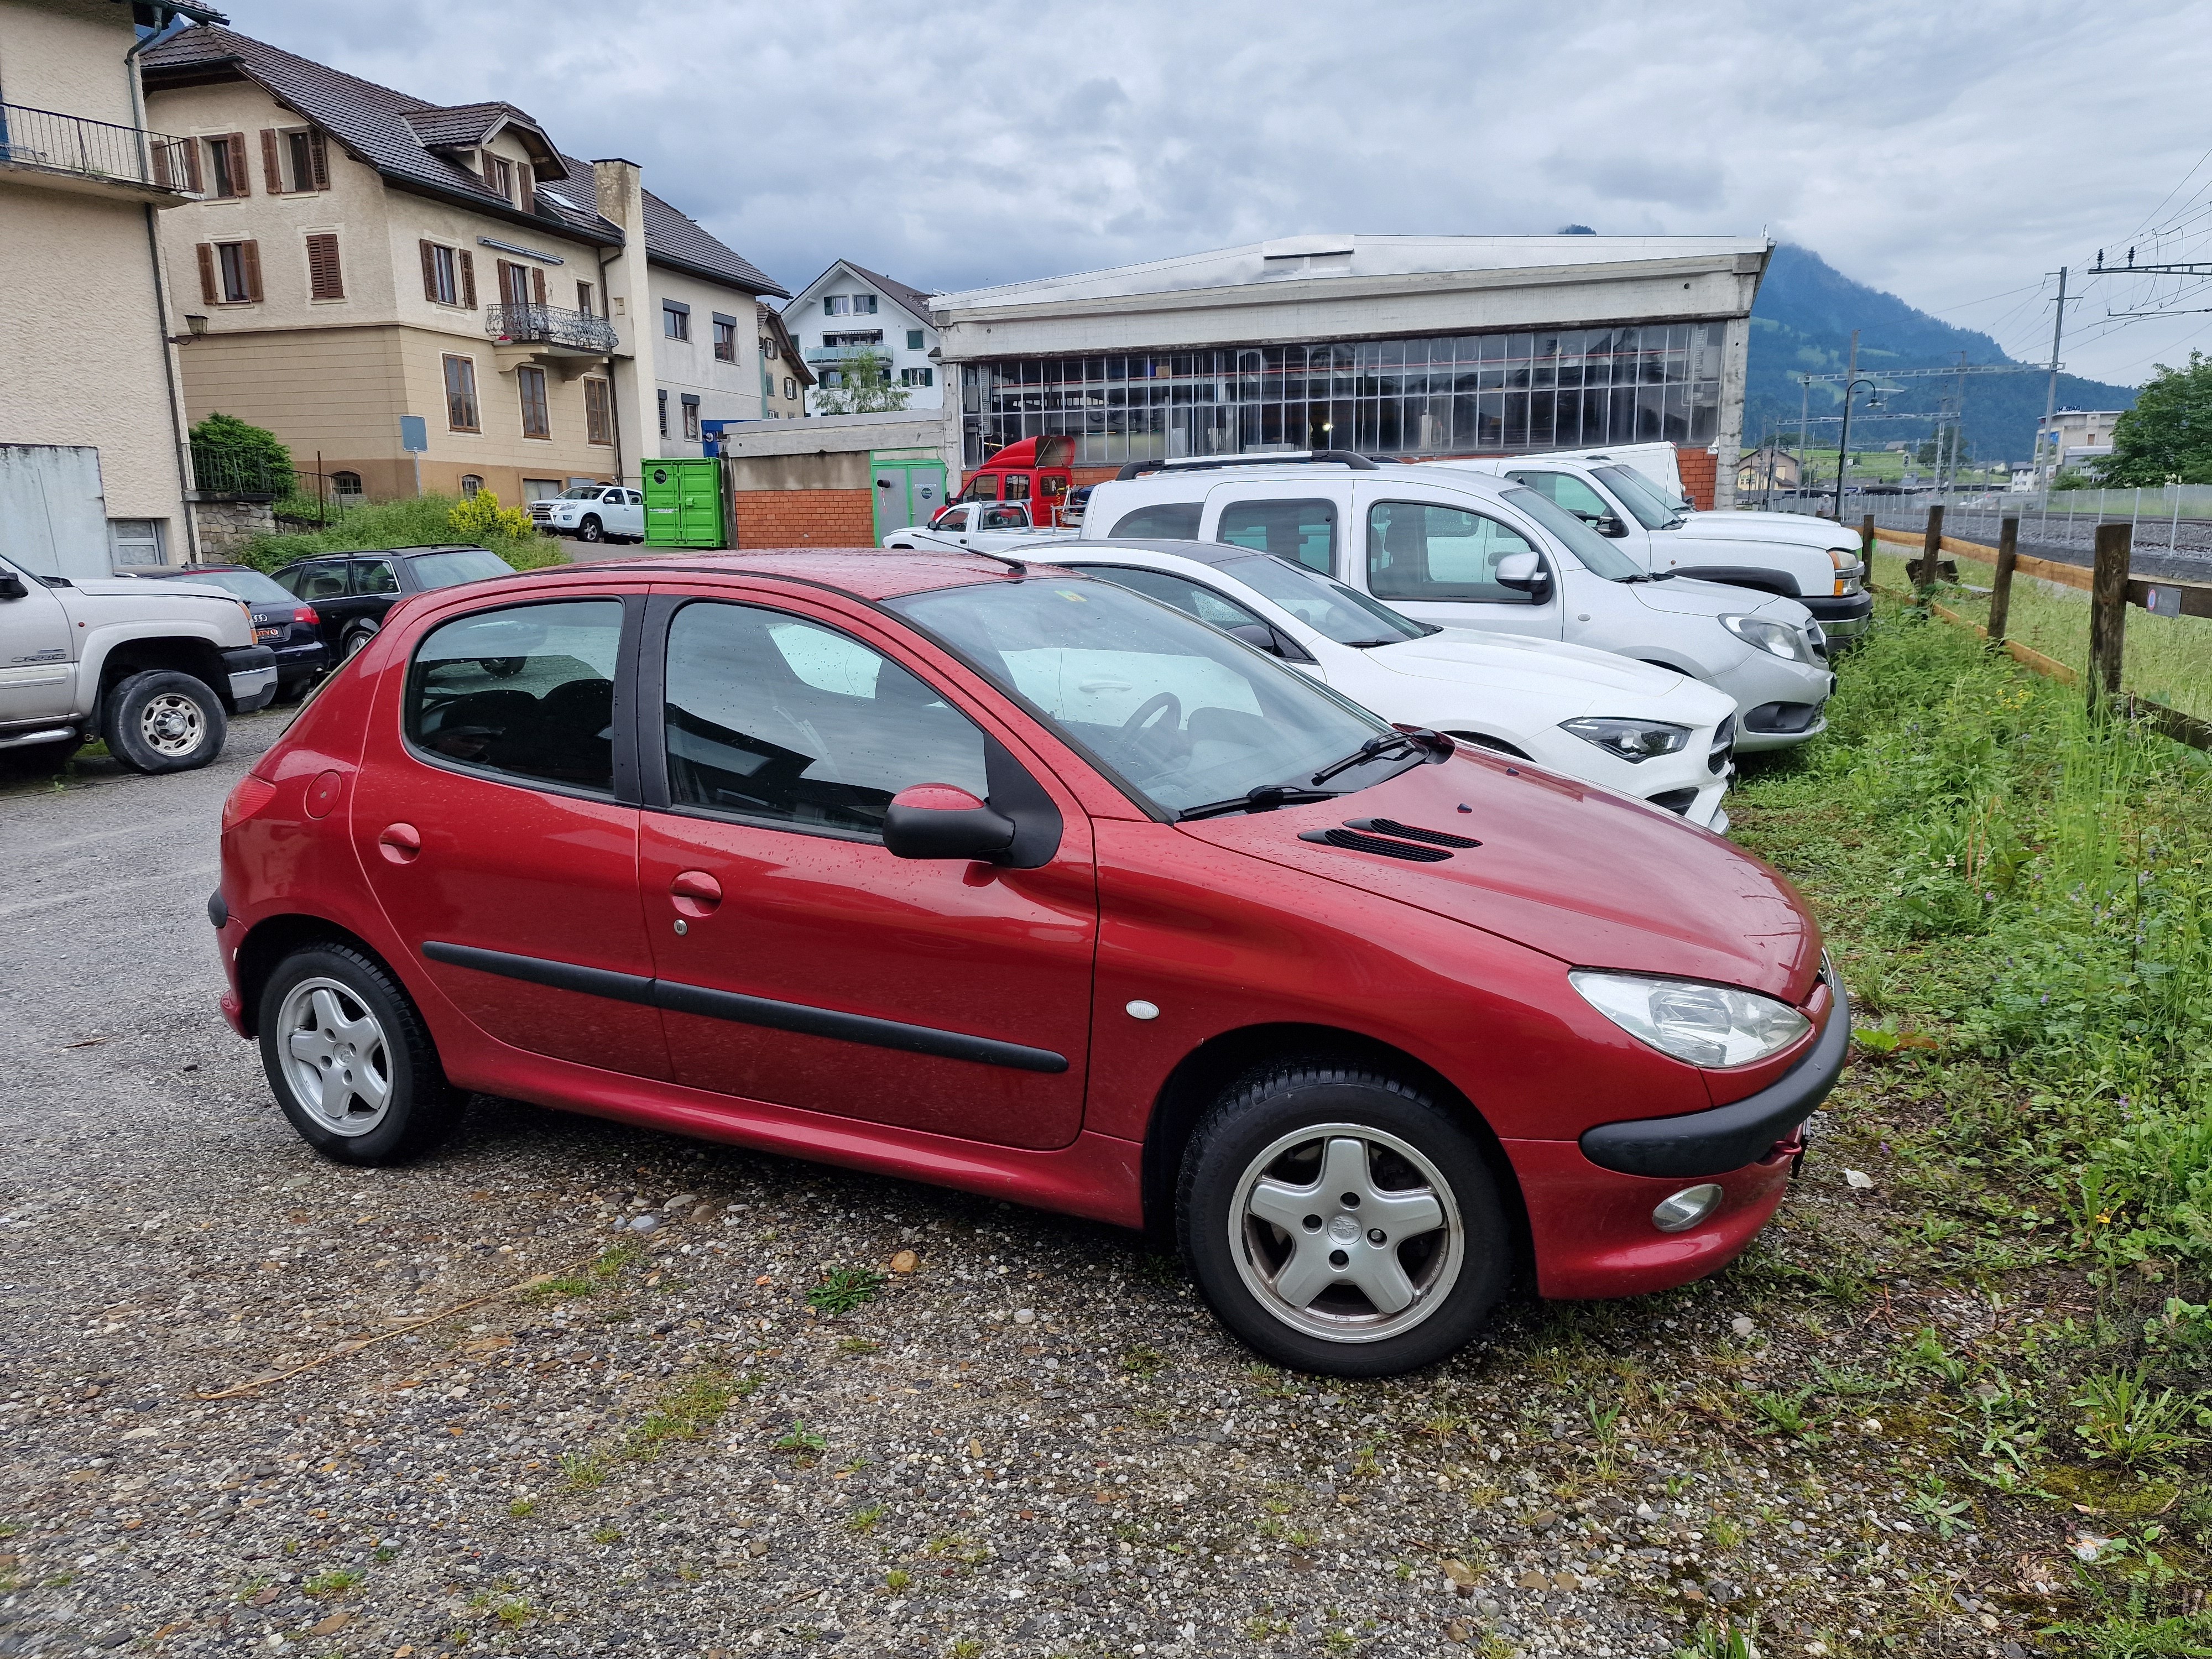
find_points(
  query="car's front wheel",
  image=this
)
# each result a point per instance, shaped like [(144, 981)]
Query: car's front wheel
[(163, 722), (591, 529), (1339, 1220), (350, 1061)]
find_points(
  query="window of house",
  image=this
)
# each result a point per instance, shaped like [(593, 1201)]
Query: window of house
[(135, 541), (307, 160), (226, 166), (461, 394), (599, 412), (768, 347), (449, 275), (585, 299), (346, 486), (916, 377), (691, 417), (536, 417), (325, 281), (675, 320), (836, 305), (664, 412), (471, 483), (863, 305), (832, 378), (540, 490), (230, 273), (726, 339), (556, 730), (499, 173), (913, 339), (790, 386)]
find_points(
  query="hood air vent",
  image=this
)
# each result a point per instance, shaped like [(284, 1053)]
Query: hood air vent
[(1407, 832), (1352, 842)]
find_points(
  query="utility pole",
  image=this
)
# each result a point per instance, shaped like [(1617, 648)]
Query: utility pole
[(1843, 438), (1804, 409), (2049, 434)]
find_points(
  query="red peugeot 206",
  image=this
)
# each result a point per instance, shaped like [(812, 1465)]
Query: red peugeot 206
[(1019, 881)]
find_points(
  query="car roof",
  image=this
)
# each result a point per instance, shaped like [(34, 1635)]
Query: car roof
[(1203, 552), (197, 570), (392, 552), (862, 572), (1436, 474)]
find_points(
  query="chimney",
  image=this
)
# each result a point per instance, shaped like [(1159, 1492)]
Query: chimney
[(619, 185)]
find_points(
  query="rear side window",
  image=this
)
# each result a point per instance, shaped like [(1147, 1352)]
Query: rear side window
[(1170, 521), (1302, 532), (770, 716), (375, 577), (525, 690), (462, 564), (319, 581), (1419, 550)]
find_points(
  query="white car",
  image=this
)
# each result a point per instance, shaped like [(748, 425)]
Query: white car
[(977, 527), (1467, 550), (1809, 560), (1645, 733), (593, 513)]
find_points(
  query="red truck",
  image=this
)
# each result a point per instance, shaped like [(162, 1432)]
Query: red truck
[(1034, 470)]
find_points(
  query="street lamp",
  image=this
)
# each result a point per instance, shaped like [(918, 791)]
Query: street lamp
[(1844, 440)]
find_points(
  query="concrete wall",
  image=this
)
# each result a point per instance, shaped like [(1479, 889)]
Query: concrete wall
[(727, 392), (67, 56)]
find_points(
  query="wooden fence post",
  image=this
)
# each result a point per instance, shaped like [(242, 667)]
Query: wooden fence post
[(1866, 546), (1922, 572), (2108, 609), (2000, 593)]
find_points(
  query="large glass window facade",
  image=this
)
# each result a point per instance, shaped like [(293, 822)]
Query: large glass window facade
[(1453, 395)]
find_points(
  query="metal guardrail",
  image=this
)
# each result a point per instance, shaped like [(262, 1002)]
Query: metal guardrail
[(221, 473), (550, 325), (48, 139)]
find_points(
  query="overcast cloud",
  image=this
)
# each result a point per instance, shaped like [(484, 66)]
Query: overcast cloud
[(1952, 154)]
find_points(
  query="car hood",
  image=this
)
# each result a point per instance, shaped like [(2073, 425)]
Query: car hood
[(133, 587), (1578, 872), (1684, 596), (1508, 662), (1795, 528)]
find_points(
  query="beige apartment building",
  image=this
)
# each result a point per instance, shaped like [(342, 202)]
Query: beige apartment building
[(359, 257), (785, 377), (94, 466)]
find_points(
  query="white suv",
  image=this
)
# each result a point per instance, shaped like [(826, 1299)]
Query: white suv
[(1645, 733), (593, 513), (1462, 549)]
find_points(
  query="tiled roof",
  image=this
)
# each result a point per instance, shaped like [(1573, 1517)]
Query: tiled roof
[(462, 126), (912, 298), (385, 129)]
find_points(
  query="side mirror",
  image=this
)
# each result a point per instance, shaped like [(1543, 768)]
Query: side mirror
[(11, 586), (1524, 573), (1607, 525), (1258, 635), (940, 821)]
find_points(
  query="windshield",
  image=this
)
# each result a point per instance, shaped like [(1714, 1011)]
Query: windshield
[(582, 493), (1598, 556), (248, 585), (1183, 715), (1649, 506), (462, 564), (1324, 605)]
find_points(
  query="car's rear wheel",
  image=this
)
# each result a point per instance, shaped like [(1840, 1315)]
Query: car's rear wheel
[(350, 1061), (591, 529), (1339, 1220), (163, 722), (354, 642)]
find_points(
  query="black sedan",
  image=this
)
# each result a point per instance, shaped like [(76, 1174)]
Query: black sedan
[(280, 622), (351, 592)]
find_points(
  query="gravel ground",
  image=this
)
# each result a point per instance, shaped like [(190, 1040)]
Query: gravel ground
[(1000, 1432)]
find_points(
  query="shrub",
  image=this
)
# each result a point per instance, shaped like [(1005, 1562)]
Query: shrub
[(421, 521), (482, 516)]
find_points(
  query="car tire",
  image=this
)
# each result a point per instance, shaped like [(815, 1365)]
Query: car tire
[(591, 529), (350, 1060), (163, 722), (1278, 1142), (355, 640)]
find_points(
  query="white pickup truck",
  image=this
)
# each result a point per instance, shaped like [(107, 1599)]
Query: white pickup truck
[(979, 526), (593, 513), (153, 669)]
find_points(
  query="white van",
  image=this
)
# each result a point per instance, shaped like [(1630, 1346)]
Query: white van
[(1463, 550), (1742, 549)]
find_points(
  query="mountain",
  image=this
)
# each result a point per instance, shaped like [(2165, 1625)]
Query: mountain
[(1802, 323)]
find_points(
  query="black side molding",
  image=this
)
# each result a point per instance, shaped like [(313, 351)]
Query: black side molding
[(1726, 1138), (678, 998)]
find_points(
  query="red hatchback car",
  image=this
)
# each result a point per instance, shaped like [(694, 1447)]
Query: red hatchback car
[(1019, 881)]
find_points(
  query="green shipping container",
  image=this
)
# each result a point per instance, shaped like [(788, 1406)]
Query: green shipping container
[(684, 503)]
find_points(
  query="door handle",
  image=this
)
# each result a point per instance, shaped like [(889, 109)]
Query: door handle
[(400, 842), (695, 893)]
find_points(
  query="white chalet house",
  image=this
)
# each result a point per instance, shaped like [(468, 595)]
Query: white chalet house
[(849, 310)]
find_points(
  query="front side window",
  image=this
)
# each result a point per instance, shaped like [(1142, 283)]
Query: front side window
[(527, 691), (537, 413), (1169, 521), (1566, 490), (1420, 550), (374, 577), (462, 564), (984, 487), (1017, 486), (770, 716), (1593, 551), (1653, 510), (1323, 603), (1302, 532), (461, 394), (1183, 715)]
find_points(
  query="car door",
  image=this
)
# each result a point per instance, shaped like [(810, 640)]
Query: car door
[(322, 586), (1436, 560), (1587, 502), (36, 679), (801, 964), (1302, 523), (372, 589), (496, 816), (632, 515)]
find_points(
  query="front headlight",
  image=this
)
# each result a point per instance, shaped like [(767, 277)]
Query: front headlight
[(1850, 571), (1776, 638), (1712, 1026), (1629, 740)]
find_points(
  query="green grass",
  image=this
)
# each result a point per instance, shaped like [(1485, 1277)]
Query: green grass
[(844, 1289), (414, 523)]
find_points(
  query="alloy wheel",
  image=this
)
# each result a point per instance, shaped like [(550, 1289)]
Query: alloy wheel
[(336, 1057)]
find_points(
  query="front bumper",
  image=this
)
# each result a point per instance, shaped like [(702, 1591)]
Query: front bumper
[(1843, 618), (252, 674), (1760, 682)]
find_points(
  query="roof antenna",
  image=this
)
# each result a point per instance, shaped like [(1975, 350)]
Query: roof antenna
[(1014, 565)]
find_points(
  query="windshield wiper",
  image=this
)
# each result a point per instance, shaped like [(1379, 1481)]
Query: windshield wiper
[(1374, 749), (1264, 799)]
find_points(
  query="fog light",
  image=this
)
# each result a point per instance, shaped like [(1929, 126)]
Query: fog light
[(1686, 1208)]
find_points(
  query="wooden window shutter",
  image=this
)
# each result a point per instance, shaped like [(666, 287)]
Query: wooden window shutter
[(162, 176), (192, 154), (537, 285), (320, 155), (468, 279), (325, 279), (429, 271), (241, 175), (272, 168), (210, 294), (249, 258), (501, 277)]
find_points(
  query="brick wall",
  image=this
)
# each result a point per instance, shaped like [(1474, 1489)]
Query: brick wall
[(1700, 470), (805, 518)]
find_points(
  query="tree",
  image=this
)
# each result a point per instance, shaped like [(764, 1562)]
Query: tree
[(864, 387), (2168, 433), (228, 453)]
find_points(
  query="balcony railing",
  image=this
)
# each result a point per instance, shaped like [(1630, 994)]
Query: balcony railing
[(550, 325), (851, 354), (94, 149)]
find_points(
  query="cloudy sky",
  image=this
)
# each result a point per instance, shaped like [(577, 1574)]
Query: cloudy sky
[(1953, 153)]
